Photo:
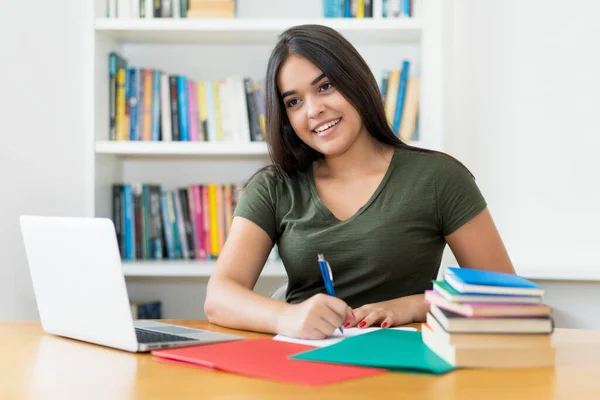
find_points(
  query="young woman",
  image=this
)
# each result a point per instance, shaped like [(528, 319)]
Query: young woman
[(344, 185)]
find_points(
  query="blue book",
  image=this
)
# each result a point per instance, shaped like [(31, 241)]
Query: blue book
[(182, 96), (401, 95), (132, 86), (168, 228), (466, 280), (347, 8), (129, 223), (156, 105)]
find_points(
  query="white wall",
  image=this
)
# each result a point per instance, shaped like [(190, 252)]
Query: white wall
[(522, 101), (42, 120), (524, 84)]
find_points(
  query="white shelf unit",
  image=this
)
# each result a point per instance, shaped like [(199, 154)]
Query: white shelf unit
[(214, 49)]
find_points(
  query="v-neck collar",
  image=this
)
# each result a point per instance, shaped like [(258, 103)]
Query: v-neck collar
[(325, 210)]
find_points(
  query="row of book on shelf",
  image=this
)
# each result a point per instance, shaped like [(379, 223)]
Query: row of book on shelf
[(368, 8), (485, 319), (150, 105), (185, 223), (150, 9)]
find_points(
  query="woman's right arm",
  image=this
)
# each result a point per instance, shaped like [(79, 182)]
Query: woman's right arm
[(230, 300)]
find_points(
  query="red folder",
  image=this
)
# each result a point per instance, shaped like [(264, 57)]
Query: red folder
[(264, 358)]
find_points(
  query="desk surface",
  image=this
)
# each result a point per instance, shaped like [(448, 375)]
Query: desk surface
[(37, 365)]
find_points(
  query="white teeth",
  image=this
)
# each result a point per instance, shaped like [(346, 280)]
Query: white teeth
[(327, 125)]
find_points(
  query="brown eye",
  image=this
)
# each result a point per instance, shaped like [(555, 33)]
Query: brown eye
[(292, 102), (326, 86)]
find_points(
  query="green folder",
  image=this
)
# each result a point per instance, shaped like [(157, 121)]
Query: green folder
[(386, 348)]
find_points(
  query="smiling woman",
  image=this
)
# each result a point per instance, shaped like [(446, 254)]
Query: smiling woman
[(342, 184)]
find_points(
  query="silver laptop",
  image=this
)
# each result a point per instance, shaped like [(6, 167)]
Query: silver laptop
[(80, 289)]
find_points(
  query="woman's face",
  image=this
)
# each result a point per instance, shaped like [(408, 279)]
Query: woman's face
[(319, 114)]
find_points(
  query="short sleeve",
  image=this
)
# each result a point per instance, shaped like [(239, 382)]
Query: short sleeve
[(257, 203), (458, 196)]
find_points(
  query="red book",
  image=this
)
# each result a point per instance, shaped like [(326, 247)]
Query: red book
[(264, 358)]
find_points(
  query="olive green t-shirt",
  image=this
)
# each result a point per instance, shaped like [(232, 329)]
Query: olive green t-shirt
[(391, 247)]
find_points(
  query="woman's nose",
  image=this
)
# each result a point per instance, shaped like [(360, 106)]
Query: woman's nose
[(314, 108)]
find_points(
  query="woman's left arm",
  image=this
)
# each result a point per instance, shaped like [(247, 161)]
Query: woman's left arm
[(476, 244)]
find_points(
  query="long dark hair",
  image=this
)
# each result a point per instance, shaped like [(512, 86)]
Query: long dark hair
[(350, 75)]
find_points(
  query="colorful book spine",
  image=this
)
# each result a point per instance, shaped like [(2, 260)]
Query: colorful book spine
[(192, 111), (401, 94), (132, 83), (155, 105), (129, 222), (202, 109), (167, 227), (147, 113), (184, 127), (198, 214)]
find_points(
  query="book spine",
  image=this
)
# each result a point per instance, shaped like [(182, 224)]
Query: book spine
[(184, 132), (187, 222), (211, 115), (202, 109), (174, 108), (206, 219), (167, 225), (200, 240), (133, 104), (147, 133), (117, 213), (192, 110), (165, 109), (401, 96), (129, 223), (156, 105), (112, 97), (181, 230), (138, 221)]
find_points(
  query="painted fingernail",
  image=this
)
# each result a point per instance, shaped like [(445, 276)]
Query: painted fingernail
[(384, 325), (362, 324), (347, 324)]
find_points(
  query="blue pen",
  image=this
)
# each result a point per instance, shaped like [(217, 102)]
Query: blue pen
[(327, 278)]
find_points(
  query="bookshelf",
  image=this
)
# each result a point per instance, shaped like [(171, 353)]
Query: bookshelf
[(214, 49)]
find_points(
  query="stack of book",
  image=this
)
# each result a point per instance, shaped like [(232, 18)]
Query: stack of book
[(483, 319)]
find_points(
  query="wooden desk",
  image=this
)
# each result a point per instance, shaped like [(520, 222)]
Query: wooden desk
[(40, 366)]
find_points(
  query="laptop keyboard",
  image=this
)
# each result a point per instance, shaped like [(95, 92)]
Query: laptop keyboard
[(144, 336)]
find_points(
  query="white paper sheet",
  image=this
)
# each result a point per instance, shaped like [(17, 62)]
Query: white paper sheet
[(337, 336)]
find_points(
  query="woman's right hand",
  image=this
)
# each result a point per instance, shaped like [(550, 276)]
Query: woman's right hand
[(315, 318)]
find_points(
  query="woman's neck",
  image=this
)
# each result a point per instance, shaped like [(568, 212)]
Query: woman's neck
[(366, 156)]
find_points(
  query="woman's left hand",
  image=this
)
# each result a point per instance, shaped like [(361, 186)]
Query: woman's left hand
[(390, 313), (378, 314)]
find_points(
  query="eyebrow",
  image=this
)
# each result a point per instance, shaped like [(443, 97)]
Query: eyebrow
[(314, 82)]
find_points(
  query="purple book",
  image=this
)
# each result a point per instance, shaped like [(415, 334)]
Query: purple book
[(192, 110)]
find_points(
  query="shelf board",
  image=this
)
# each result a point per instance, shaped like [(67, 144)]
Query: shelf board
[(254, 30), (181, 148), (161, 149), (188, 268)]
